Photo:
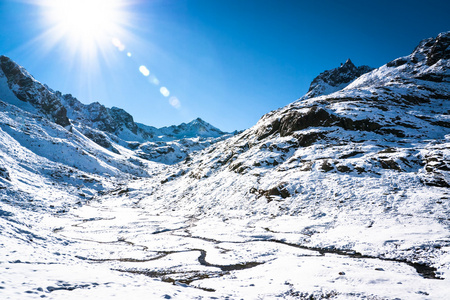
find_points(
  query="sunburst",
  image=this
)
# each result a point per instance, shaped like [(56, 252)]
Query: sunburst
[(84, 27)]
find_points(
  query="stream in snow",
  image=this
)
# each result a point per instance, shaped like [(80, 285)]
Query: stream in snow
[(104, 252)]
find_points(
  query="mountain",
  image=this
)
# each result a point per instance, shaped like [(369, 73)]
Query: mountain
[(195, 128), (110, 128), (333, 80), (392, 119), (342, 194), (21, 88), (118, 122)]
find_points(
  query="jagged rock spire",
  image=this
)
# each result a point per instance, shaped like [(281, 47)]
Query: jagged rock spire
[(335, 79)]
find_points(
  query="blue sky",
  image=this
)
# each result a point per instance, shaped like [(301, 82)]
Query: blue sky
[(226, 61)]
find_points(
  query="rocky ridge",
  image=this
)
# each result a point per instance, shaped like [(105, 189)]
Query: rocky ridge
[(107, 127)]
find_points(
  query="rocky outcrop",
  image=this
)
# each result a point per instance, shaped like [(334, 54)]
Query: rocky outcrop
[(434, 49), (122, 119), (335, 79), (27, 89), (98, 116)]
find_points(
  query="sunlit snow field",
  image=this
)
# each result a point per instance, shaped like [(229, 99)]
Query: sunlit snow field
[(116, 249)]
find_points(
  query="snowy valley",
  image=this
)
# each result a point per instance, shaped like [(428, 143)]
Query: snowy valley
[(342, 194)]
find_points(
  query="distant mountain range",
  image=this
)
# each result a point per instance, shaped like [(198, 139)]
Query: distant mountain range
[(107, 127)]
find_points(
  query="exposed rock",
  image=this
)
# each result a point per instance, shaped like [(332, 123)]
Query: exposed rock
[(27, 89), (122, 118), (335, 79), (315, 117), (279, 190), (4, 173), (100, 139), (440, 49), (326, 166)]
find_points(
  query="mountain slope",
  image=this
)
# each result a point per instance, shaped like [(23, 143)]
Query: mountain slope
[(28, 90), (388, 120)]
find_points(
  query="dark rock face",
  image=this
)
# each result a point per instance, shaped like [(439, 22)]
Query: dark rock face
[(4, 173), (433, 49), (315, 117), (100, 139), (121, 117), (335, 79), (98, 116), (28, 90), (346, 73), (440, 49)]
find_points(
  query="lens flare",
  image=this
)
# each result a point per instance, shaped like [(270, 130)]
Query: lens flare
[(118, 44), (164, 91), (144, 70), (175, 102), (153, 80), (87, 28)]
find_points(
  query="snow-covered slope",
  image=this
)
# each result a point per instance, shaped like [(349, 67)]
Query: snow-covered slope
[(392, 120)]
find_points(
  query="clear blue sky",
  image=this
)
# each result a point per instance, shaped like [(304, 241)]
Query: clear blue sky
[(226, 61)]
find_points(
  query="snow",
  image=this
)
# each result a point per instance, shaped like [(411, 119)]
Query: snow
[(136, 242)]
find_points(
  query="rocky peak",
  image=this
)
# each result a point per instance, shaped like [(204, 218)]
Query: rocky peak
[(428, 52), (336, 79), (27, 89), (197, 127), (433, 49), (440, 49), (123, 118), (348, 64), (346, 73)]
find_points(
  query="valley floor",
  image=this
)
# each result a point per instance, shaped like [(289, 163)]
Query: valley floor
[(115, 250)]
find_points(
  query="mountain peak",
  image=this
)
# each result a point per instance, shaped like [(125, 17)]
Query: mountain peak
[(29, 90), (197, 127), (198, 120), (348, 62), (335, 79)]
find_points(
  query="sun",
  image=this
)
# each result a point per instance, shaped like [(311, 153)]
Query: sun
[(83, 20), (84, 26)]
